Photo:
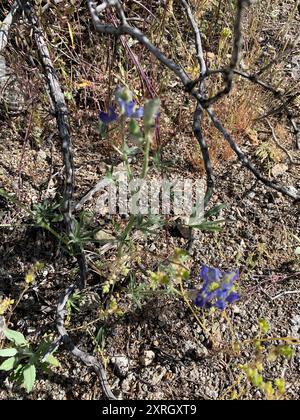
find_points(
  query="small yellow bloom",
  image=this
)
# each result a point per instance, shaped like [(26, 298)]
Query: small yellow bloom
[(84, 84), (30, 277), (5, 304)]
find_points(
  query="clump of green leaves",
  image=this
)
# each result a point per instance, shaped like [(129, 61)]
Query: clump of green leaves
[(22, 361), (165, 281), (73, 304), (208, 225), (47, 213), (273, 390)]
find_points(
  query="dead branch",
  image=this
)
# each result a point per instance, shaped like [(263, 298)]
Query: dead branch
[(245, 161), (191, 85), (61, 113), (198, 41), (205, 153), (277, 94), (6, 24), (277, 142), (84, 357)]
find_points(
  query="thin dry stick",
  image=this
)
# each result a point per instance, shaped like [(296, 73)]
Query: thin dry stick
[(205, 153), (228, 73), (277, 94), (199, 110), (242, 157), (198, 41), (61, 113), (287, 292), (84, 357), (280, 145)]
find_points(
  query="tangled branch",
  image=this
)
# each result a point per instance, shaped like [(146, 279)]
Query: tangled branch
[(196, 88)]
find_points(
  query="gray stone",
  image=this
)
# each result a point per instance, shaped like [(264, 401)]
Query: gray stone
[(121, 364), (147, 357)]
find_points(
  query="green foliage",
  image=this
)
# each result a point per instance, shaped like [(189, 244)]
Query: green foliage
[(264, 354), (46, 213), (100, 338), (263, 326), (73, 304), (82, 233), (22, 361), (207, 225)]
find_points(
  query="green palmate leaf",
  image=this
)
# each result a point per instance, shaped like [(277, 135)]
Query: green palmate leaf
[(29, 374), (15, 336), (8, 364), (9, 352)]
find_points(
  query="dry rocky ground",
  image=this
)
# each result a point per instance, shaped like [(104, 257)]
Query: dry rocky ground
[(157, 351)]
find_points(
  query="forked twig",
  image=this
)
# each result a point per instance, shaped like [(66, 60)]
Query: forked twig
[(190, 85)]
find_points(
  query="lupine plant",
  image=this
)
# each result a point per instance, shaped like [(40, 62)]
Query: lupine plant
[(128, 115), (23, 361)]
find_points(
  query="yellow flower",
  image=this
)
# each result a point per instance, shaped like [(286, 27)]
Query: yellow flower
[(30, 277), (5, 304)]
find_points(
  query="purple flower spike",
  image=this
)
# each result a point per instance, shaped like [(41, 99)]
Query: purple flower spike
[(109, 117), (218, 289), (129, 109), (210, 274)]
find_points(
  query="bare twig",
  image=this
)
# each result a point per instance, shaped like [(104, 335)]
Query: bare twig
[(277, 94), (137, 34), (245, 161), (6, 24), (61, 111), (199, 110), (280, 145), (228, 73), (198, 41), (205, 153), (287, 292), (84, 357)]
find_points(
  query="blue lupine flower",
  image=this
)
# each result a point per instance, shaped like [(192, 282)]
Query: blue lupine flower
[(218, 289), (127, 105), (109, 117)]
